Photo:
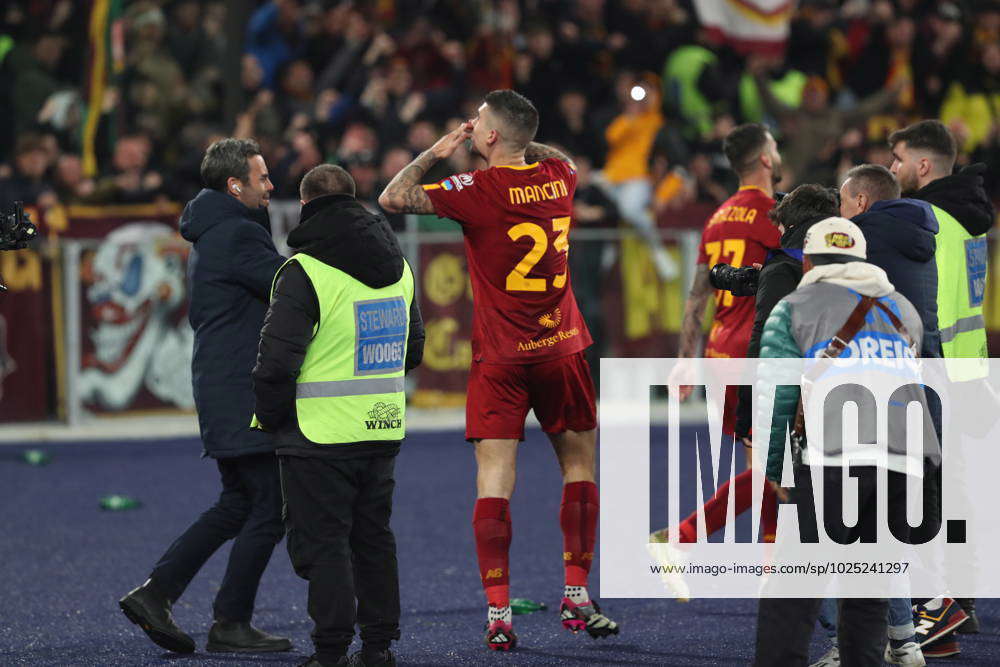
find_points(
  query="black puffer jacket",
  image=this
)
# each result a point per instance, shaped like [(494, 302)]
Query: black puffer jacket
[(964, 197), (779, 278), (232, 264), (340, 232)]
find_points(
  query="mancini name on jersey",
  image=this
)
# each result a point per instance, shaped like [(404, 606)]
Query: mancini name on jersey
[(528, 194)]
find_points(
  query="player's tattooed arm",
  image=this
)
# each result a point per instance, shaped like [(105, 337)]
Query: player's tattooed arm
[(694, 312), (535, 152), (404, 193)]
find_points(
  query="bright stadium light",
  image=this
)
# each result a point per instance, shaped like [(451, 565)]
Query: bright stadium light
[(638, 93)]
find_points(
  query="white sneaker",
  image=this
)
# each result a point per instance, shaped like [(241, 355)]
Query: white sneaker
[(830, 659), (670, 559), (908, 654)]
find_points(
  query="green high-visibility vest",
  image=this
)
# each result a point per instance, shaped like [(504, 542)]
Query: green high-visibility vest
[(680, 85), (961, 265), (788, 89), (350, 386)]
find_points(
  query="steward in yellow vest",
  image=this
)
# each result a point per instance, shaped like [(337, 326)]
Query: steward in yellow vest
[(925, 155), (342, 329)]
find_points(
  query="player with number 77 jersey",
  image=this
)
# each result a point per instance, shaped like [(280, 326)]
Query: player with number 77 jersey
[(739, 233), (527, 341)]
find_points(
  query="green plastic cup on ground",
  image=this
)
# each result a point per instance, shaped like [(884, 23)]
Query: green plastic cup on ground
[(36, 457), (118, 503)]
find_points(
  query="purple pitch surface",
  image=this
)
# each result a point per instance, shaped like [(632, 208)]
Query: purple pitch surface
[(65, 563)]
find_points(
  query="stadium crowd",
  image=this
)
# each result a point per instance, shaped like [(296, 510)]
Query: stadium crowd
[(368, 85)]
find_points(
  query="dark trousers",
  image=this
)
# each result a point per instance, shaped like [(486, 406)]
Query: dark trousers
[(337, 516), (249, 513), (785, 625)]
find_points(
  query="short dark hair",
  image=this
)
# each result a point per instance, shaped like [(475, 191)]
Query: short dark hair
[(874, 180), (931, 136), (29, 142), (225, 159), (743, 145), (806, 203), (518, 115), (326, 179)]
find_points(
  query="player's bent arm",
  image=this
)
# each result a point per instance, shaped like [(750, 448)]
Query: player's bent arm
[(694, 311), (535, 152), (404, 194)]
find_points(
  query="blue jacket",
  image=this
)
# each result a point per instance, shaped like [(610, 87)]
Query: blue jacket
[(230, 270), (900, 235)]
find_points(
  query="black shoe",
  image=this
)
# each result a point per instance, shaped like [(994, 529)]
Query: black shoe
[(150, 610), (971, 626), (227, 637), (314, 662), (378, 659)]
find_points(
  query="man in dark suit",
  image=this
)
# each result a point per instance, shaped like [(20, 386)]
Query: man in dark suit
[(232, 265)]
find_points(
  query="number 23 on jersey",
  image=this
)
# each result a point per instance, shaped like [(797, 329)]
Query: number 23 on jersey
[(517, 279)]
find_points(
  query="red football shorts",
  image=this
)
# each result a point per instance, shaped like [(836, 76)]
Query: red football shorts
[(560, 391)]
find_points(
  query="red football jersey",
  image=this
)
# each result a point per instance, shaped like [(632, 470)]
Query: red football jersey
[(739, 233), (516, 223)]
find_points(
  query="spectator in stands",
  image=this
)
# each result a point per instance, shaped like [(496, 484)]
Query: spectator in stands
[(365, 173), (971, 106), (296, 157), (812, 130), (943, 60), (131, 181), (26, 181), (810, 38), (573, 128), (296, 99), (537, 73), (71, 185), (359, 49), (405, 72), (630, 138), (274, 36), (393, 162), (592, 209), (35, 66), (194, 38)]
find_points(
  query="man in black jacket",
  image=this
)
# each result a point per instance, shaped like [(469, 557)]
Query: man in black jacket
[(338, 488), (794, 214), (232, 264), (900, 236)]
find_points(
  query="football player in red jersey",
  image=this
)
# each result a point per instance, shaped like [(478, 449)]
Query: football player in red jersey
[(527, 342), (739, 233)]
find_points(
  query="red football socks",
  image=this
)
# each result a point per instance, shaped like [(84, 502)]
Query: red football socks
[(492, 528), (715, 508), (578, 518)]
